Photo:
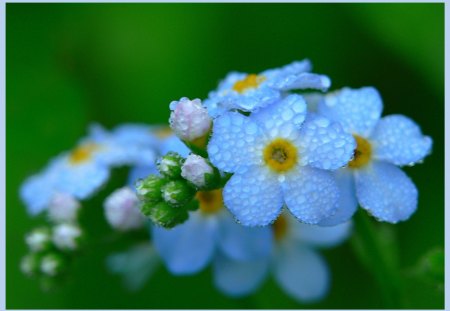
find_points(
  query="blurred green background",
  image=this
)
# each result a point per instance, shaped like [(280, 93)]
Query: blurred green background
[(71, 64)]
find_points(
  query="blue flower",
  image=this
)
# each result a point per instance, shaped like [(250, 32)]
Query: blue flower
[(83, 170), (209, 232), (372, 177), (279, 156), (297, 267), (249, 92)]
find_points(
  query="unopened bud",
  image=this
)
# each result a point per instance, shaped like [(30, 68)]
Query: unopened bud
[(170, 165), (39, 239), (52, 264), (164, 215), (177, 193), (29, 265), (122, 210), (67, 236), (63, 208), (197, 170), (149, 189), (189, 119)]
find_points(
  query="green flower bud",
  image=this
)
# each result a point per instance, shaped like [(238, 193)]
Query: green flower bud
[(177, 193), (170, 165), (167, 216), (149, 189), (29, 265), (52, 264)]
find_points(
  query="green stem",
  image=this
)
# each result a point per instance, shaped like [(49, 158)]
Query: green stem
[(370, 249)]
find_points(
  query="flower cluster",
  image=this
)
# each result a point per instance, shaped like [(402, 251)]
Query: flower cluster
[(253, 180)]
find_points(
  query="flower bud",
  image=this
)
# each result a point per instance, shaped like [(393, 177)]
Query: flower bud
[(149, 189), (189, 119), (63, 208), (122, 210), (29, 265), (177, 193), (52, 264), (39, 239), (170, 165), (66, 236), (196, 170), (164, 215)]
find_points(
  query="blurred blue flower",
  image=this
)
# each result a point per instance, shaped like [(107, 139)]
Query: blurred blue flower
[(279, 156), (249, 92), (380, 187), (297, 267), (83, 170), (208, 233)]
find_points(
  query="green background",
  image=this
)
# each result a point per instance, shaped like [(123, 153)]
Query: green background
[(70, 64)]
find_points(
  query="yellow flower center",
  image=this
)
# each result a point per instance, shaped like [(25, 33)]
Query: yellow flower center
[(251, 81), (280, 227), (280, 155), (82, 153), (210, 201), (163, 132), (362, 153)]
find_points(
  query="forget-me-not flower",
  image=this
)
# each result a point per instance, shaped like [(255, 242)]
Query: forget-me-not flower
[(279, 157), (249, 92), (209, 232), (382, 144), (297, 267)]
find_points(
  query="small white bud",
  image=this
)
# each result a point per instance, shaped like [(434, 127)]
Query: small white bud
[(39, 239), (189, 119), (194, 169), (122, 210), (66, 236), (63, 208), (29, 264), (51, 264)]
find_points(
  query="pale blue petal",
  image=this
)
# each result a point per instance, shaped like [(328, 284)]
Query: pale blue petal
[(301, 81), (136, 265), (322, 236), (239, 278), (310, 194), (242, 243), (357, 110), (301, 273), (324, 144), (386, 192), (189, 247), (236, 142), (173, 143), (291, 109), (293, 68), (136, 134), (36, 192), (347, 199), (398, 140), (253, 196)]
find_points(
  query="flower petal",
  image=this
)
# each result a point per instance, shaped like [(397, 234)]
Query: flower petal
[(36, 192), (322, 236), (301, 273), (311, 195), (302, 81), (239, 278), (235, 142), (347, 199), (386, 192), (253, 196), (292, 110), (187, 248), (242, 243), (398, 140), (358, 110), (324, 144)]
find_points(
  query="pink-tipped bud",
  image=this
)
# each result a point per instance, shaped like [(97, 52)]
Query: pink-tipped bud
[(194, 169), (63, 208), (122, 210), (189, 119)]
